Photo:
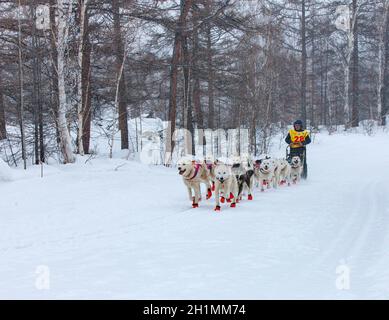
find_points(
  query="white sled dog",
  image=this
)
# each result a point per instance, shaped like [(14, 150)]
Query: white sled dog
[(296, 169), (276, 171), (244, 172), (257, 164), (283, 172), (193, 174), (265, 173), (210, 164), (225, 182), (237, 167)]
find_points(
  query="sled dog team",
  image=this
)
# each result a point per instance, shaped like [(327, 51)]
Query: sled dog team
[(229, 179)]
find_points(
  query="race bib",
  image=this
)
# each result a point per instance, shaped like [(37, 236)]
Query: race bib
[(297, 137)]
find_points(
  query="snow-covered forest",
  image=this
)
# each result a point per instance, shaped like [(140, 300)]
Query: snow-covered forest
[(74, 71), (100, 100)]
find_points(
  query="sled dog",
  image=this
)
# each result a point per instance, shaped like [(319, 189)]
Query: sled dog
[(246, 178), (283, 172), (210, 164), (264, 172), (296, 169), (193, 174), (227, 183)]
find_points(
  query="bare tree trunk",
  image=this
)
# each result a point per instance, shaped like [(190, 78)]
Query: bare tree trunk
[(41, 128), (211, 107), (87, 102), (196, 86), (82, 80), (321, 107), (117, 98), (36, 94), (325, 102), (3, 131), (355, 71), (349, 110), (120, 59), (313, 69), (54, 59), (385, 100), (177, 46), (62, 39), (173, 98), (303, 93), (21, 91), (189, 143), (347, 93), (382, 62)]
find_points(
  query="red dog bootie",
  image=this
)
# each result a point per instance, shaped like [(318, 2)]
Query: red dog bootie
[(209, 194), (195, 205), (213, 186), (233, 205), (250, 197), (217, 208), (222, 199)]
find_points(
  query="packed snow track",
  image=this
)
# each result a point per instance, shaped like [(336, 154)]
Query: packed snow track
[(90, 231)]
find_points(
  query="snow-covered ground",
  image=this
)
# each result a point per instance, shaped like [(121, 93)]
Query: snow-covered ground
[(120, 229)]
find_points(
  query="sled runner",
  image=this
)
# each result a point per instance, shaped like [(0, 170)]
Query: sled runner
[(290, 153)]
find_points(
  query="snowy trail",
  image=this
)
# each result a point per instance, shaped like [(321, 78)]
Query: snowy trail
[(132, 234)]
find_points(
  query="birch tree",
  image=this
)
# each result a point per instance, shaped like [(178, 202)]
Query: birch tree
[(383, 48), (64, 8), (347, 22), (3, 131), (81, 81)]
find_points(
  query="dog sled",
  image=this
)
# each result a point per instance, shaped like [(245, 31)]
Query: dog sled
[(290, 153)]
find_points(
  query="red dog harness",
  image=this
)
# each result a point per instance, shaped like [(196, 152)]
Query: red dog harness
[(197, 169)]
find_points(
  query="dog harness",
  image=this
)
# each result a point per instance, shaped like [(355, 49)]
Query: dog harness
[(197, 169)]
